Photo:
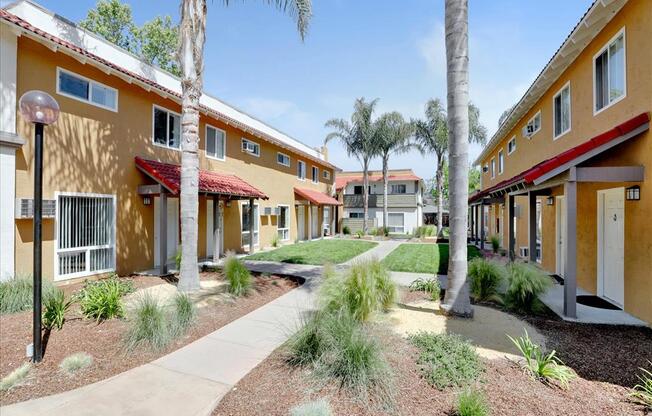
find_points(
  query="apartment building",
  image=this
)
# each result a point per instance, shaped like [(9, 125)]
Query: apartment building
[(566, 178), (111, 162)]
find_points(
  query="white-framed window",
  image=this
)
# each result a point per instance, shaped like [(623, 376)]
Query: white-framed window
[(283, 159), (85, 89), (609, 75), (315, 174), (356, 215), (561, 111), (398, 188), (357, 189), (511, 145), (250, 147), (283, 222), (501, 161), (244, 221), (326, 174), (493, 168), (396, 222), (533, 125), (85, 233), (215, 143), (166, 127), (301, 170)]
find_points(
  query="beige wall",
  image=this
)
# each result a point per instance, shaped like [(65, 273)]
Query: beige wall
[(92, 150)]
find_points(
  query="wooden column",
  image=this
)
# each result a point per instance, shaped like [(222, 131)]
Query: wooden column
[(570, 259), (251, 225), (510, 228), (163, 232), (532, 226)]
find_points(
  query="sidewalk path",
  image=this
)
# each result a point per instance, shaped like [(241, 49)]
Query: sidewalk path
[(379, 252)]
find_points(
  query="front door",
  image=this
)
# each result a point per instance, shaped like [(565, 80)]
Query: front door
[(316, 232), (172, 230), (301, 222), (561, 235), (218, 234), (611, 242)]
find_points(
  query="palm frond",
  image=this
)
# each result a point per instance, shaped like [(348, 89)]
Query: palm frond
[(299, 10)]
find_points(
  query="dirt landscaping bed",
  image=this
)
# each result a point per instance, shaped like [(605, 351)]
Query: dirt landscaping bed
[(104, 341)]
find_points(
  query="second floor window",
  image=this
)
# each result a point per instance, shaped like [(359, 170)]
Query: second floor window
[(357, 189), (84, 89), (301, 169), (562, 111), (250, 147), (167, 128), (493, 168), (315, 174), (326, 174), (501, 162), (511, 146), (609, 70), (399, 189), (283, 159), (215, 142), (532, 126)]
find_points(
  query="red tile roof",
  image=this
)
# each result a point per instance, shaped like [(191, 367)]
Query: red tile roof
[(316, 197), (342, 181), (540, 169), (169, 175)]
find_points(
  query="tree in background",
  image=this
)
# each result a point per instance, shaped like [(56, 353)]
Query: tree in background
[(474, 179)]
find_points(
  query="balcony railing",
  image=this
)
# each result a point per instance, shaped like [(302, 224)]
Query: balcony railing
[(376, 200)]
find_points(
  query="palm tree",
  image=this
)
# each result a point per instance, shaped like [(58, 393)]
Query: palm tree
[(358, 138), (191, 56), (393, 136)]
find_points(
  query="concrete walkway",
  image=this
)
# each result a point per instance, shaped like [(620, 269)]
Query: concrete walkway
[(379, 252)]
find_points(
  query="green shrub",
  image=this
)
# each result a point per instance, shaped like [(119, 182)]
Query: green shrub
[(101, 299), (184, 313), (237, 275), (385, 287), (148, 325), (16, 294), (319, 407), (542, 366), (429, 285), (495, 243), (177, 259), (471, 402), (275, 241), (75, 362), (373, 231), (15, 378), (346, 230), (642, 392), (430, 230), (485, 278), (55, 307), (359, 233), (446, 360), (525, 283)]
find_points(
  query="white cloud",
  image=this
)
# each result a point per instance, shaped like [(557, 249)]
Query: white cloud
[(432, 48)]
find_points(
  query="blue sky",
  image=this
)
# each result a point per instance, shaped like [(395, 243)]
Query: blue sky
[(390, 50)]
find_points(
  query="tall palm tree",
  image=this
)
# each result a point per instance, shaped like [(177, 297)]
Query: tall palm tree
[(393, 136), (358, 138), (456, 300), (191, 56)]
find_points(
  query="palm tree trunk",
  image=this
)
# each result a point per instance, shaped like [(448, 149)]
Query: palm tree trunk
[(365, 193), (191, 51), (439, 177), (385, 185), (457, 300)]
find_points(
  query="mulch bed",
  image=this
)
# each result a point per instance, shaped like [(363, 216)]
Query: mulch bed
[(104, 342)]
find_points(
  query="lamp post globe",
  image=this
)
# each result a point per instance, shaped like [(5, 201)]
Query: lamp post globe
[(39, 107)]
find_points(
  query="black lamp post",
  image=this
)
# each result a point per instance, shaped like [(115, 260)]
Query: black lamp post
[(41, 109)]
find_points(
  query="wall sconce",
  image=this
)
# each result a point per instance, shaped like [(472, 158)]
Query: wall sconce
[(550, 200), (147, 200), (633, 193), (228, 204)]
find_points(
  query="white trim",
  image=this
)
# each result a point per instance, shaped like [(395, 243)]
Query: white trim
[(314, 178), (303, 171), (501, 164), (289, 221), (492, 167), (257, 219), (167, 129), (605, 47), (283, 164), (243, 140), (222, 159), (531, 120), (90, 90), (600, 243), (389, 226), (558, 234), (570, 112), (513, 139)]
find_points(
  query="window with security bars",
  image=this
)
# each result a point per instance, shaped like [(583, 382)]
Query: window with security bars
[(85, 235)]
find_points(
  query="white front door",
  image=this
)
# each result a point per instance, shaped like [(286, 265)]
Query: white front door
[(611, 245), (301, 222), (316, 232), (561, 235), (218, 234), (172, 229)]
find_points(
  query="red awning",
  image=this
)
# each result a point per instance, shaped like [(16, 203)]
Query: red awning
[(169, 175), (316, 197), (540, 169)]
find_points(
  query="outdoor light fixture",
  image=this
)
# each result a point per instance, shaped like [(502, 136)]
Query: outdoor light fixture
[(147, 200), (633, 193), (41, 109), (550, 200)]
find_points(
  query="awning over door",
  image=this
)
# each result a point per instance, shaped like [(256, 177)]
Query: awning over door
[(316, 197)]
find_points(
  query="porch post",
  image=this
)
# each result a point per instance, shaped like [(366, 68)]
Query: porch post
[(472, 208), (216, 229), (570, 258), (251, 225), (482, 225), (510, 227), (532, 226), (163, 232), (309, 221)]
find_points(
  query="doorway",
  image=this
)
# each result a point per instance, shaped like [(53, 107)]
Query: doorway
[(560, 235), (301, 222), (172, 229), (218, 234), (611, 245)]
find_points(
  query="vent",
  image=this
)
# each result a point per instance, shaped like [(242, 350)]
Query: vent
[(267, 211), (524, 251), (25, 208)]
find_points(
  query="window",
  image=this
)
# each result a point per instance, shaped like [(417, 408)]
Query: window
[(396, 222), (84, 89), (85, 235), (282, 159), (245, 224), (326, 223), (356, 215), (533, 126), (250, 147), (493, 168), (511, 145), (167, 128), (315, 174), (562, 111), (326, 174), (215, 142), (301, 170), (399, 189), (609, 73), (283, 223), (501, 161), (357, 189)]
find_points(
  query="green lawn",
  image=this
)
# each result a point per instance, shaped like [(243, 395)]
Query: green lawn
[(422, 258), (316, 252)]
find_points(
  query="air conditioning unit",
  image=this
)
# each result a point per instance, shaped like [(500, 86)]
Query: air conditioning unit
[(524, 252), (277, 211), (25, 208), (267, 211), (528, 131)]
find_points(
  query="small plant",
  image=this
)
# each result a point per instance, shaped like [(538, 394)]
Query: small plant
[(546, 367), (275, 241), (101, 300), (642, 392), (485, 277), (525, 283), (359, 233), (184, 313), (471, 402), (15, 378), (495, 243), (148, 326), (75, 362), (446, 360), (373, 231), (237, 274), (319, 407), (346, 230), (16, 294), (55, 307), (428, 285)]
